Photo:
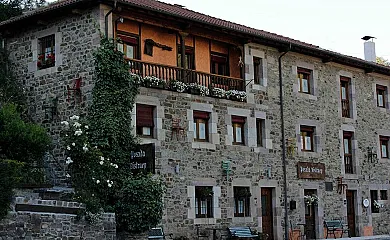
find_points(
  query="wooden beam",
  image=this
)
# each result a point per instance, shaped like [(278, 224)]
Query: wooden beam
[(327, 59), (368, 70)]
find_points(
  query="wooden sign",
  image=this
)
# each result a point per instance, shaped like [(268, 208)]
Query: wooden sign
[(311, 170), (143, 159)]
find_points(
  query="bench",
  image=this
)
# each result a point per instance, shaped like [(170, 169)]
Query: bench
[(332, 226), (241, 232), (156, 233)]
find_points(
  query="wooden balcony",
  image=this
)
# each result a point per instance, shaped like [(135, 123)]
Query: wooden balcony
[(345, 108), (348, 163), (187, 76)]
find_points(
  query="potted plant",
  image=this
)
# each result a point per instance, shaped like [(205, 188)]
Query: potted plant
[(178, 86), (45, 62), (236, 95), (137, 78), (218, 92), (153, 82), (311, 199), (197, 89)]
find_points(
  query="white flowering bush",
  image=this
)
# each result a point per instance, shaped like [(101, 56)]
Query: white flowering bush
[(311, 199), (200, 89), (152, 81), (178, 86), (218, 92), (137, 78), (88, 170), (236, 95)]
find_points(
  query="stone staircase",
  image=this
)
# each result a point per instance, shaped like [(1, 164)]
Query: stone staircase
[(50, 213)]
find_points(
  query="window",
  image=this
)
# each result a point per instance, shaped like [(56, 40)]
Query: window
[(128, 45), (374, 198), (201, 130), (345, 96), (347, 142), (381, 96), (383, 194), (145, 120), (238, 130), (384, 142), (258, 70), (46, 56), (304, 78), (260, 126), (307, 133), (219, 64), (204, 202), (241, 201), (189, 58)]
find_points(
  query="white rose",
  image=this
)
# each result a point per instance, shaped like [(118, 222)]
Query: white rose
[(97, 181), (101, 162)]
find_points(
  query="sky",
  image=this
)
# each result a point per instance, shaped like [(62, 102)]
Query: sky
[(336, 25)]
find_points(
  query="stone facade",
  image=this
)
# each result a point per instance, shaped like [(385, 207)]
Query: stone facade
[(186, 164), (28, 225)]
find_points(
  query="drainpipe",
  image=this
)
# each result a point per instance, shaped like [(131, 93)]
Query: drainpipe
[(283, 145), (106, 20)]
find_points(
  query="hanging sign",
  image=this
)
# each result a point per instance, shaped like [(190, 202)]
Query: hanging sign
[(142, 158), (311, 170)]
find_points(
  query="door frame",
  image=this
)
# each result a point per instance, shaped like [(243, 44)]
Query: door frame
[(358, 208), (319, 209), (277, 219)]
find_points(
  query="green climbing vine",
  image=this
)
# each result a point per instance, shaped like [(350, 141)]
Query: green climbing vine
[(99, 149)]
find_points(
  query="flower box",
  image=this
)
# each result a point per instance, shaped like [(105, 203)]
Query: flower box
[(46, 62), (218, 92), (153, 82), (178, 86), (236, 95)]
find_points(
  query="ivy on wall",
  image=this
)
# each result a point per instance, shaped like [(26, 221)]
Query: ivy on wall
[(99, 149)]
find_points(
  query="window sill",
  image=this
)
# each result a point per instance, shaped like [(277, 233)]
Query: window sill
[(242, 219), (308, 154), (205, 221), (45, 71), (348, 120), (149, 140), (351, 176), (259, 87), (204, 145), (308, 96), (384, 160)]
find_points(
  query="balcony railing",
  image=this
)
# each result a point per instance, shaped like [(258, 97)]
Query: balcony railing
[(187, 76), (348, 163), (345, 108)]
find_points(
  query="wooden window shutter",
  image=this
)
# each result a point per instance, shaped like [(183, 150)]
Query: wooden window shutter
[(128, 39), (380, 87), (201, 115), (238, 119), (307, 129), (145, 115), (384, 138), (218, 59), (345, 79), (304, 70)]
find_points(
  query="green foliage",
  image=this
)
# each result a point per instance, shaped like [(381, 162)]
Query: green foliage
[(10, 91), (21, 141), (12, 8), (382, 61), (9, 176), (140, 204)]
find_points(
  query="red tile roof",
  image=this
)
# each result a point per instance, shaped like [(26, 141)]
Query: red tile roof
[(183, 13)]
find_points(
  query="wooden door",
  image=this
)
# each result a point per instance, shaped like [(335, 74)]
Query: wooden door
[(351, 212), (266, 212), (310, 217)]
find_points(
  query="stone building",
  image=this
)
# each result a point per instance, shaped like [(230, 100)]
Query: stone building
[(232, 152)]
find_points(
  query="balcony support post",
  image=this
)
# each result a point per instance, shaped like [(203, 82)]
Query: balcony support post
[(183, 36)]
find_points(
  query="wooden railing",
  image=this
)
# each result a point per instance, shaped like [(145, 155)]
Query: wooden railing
[(348, 163), (345, 108), (171, 73)]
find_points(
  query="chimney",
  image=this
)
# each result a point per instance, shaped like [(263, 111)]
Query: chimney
[(369, 49)]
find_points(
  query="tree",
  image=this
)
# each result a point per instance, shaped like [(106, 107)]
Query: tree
[(382, 61), (12, 8)]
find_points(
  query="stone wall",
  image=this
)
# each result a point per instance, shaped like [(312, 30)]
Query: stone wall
[(252, 166), (28, 225), (76, 37)]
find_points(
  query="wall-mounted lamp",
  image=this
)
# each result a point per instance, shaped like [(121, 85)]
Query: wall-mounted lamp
[(177, 168), (293, 205), (371, 156)]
